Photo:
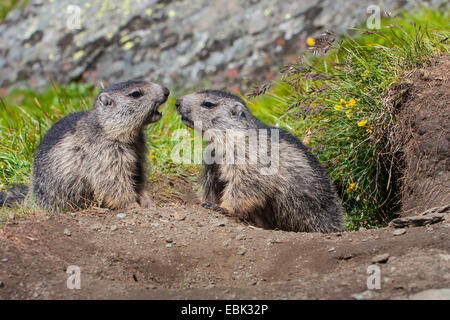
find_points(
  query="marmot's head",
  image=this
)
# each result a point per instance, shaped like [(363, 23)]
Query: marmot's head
[(125, 108), (215, 110)]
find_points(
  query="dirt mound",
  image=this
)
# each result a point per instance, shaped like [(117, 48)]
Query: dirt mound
[(423, 133), (180, 250)]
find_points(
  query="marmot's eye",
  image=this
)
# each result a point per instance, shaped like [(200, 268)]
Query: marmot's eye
[(136, 94), (208, 105)]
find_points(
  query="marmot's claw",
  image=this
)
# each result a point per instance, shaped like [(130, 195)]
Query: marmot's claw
[(209, 206), (214, 207)]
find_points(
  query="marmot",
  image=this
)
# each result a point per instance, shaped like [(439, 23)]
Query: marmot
[(98, 156), (297, 196)]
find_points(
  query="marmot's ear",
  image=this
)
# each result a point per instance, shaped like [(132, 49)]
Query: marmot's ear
[(105, 99), (238, 111)]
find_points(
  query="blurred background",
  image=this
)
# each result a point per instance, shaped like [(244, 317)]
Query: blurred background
[(222, 43)]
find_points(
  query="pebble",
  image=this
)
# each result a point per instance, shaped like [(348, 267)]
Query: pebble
[(363, 295), (5, 260), (96, 226), (12, 216), (399, 232), (113, 228), (169, 245), (169, 240), (242, 251), (331, 249), (179, 216), (67, 232), (240, 237), (121, 215), (382, 258)]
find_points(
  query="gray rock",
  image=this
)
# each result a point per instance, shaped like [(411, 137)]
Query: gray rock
[(382, 258), (67, 232), (180, 43), (432, 294), (399, 232), (242, 251), (121, 215)]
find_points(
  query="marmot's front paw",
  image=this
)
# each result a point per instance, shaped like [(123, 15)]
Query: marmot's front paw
[(215, 207)]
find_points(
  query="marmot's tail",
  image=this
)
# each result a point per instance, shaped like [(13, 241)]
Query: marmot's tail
[(14, 194)]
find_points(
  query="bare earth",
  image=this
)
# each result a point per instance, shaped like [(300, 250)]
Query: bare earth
[(182, 251)]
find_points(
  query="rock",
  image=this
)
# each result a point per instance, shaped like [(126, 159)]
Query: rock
[(331, 249), (5, 260), (121, 215), (67, 232), (399, 232), (1, 284), (432, 294), (368, 294), (169, 240), (382, 258), (12, 216), (416, 221), (177, 43), (113, 227), (220, 223), (179, 216), (169, 245), (240, 237), (242, 251)]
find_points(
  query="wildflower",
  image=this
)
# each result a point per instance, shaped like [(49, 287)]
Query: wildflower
[(337, 107), (310, 41), (350, 187), (365, 74), (342, 101), (348, 113), (152, 154), (362, 123), (350, 103), (370, 129)]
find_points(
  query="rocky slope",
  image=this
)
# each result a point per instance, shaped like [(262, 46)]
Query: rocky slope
[(172, 41)]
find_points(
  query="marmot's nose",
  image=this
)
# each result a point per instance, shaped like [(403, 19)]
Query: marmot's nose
[(166, 91), (178, 103)]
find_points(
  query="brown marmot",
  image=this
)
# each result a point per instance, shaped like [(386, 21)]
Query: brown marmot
[(296, 196), (98, 156)]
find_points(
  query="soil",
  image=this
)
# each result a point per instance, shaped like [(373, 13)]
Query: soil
[(179, 250), (424, 134)]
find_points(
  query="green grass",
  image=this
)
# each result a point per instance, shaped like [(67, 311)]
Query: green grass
[(362, 67), (8, 5)]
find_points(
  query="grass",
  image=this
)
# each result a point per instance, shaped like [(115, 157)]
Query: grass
[(334, 102), (7, 5)]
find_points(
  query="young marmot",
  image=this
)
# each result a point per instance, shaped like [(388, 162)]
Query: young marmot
[(98, 156), (296, 196)]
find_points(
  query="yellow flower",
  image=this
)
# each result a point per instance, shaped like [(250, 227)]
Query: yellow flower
[(362, 123), (337, 107), (348, 113), (310, 41), (343, 101), (351, 102), (350, 187), (365, 74), (370, 129)]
